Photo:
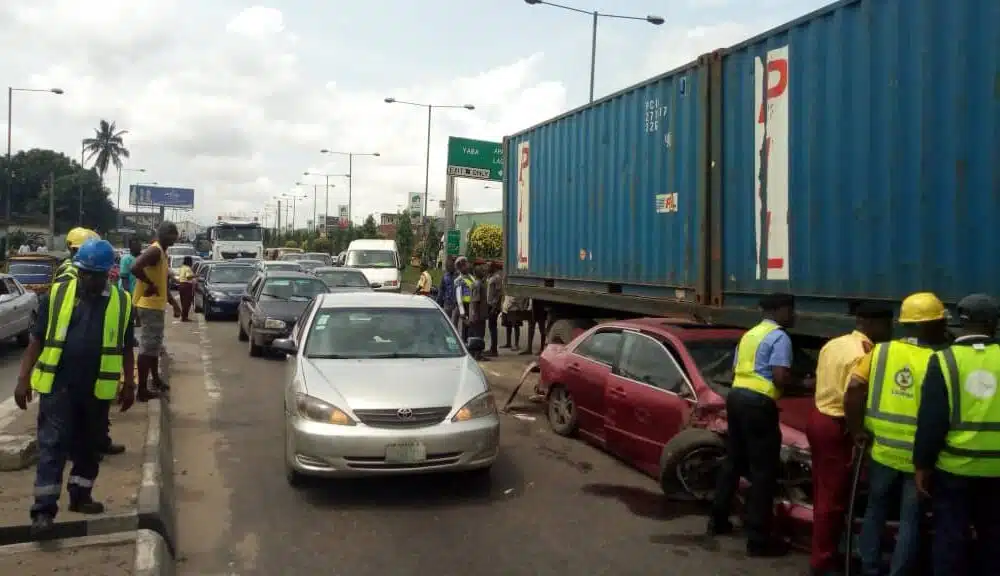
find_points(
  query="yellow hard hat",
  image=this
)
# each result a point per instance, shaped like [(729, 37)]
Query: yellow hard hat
[(77, 236), (921, 307)]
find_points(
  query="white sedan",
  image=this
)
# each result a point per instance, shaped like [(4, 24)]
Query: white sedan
[(18, 310), (381, 384)]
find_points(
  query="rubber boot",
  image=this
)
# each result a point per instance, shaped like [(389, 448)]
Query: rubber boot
[(143, 393)]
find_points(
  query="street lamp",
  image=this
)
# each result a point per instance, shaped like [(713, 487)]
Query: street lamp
[(10, 113), (293, 198), (350, 172), (430, 107), (654, 20), (328, 186)]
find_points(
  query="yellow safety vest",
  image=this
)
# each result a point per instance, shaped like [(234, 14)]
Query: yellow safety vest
[(746, 356), (116, 317), (65, 271), (467, 283), (971, 373), (894, 383)]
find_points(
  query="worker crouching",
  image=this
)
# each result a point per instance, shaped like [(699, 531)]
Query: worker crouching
[(80, 346)]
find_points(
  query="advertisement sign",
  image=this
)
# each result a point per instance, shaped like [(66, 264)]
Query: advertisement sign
[(416, 205), (343, 218), (145, 195)]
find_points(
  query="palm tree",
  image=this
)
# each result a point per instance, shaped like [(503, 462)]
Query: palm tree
[(106, 148)]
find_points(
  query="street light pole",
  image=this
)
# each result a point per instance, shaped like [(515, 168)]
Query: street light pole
[(350, 176), (652, 19), (10, 114)]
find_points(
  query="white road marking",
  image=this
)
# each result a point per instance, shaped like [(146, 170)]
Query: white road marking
[(494, 373), (212, 387)]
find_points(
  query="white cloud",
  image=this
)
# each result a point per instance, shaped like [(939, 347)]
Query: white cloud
[(224, 103)]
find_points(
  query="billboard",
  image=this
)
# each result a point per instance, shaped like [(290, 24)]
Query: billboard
[(145, 195), (140, 220), (342, 210), (416, 205)]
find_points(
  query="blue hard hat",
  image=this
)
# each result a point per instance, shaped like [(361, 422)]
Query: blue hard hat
[(95, 256)]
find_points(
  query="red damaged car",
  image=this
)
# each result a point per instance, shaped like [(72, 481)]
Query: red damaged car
[(652, 392)]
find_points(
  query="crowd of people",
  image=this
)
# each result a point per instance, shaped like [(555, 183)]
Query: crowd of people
[(81, 359), (920, 408)]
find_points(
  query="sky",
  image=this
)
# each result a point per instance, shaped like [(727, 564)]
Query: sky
[(236, 99)]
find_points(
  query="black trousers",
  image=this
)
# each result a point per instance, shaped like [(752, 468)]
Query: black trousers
[(491, 324), (960, 502), (753, 450)]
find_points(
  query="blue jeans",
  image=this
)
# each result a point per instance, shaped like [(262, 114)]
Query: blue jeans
[(883, 483)]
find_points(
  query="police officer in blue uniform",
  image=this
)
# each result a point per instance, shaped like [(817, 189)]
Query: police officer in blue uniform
[(79, 348)]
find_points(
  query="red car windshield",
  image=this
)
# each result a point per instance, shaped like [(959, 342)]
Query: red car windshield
[(714, 359)]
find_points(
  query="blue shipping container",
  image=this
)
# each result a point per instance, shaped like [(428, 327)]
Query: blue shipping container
[(614, 194), (880, 143)]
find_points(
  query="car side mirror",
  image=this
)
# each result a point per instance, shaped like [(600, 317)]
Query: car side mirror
[(245, 297), (476, 345), (286, 345)]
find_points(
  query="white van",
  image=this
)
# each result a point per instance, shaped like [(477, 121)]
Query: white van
[(379, 260)]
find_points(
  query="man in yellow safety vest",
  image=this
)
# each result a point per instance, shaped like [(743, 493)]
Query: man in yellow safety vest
[(763, 367), (79, 348), (958, 442), (880, 406), (74, 239)]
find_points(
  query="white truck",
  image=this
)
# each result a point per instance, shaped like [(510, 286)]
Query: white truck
[(236, 239)]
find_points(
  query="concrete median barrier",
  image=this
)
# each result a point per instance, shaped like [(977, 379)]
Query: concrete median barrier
[(134, 553)]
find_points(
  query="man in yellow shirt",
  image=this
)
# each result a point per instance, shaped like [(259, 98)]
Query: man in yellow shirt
[(881, 405), (425, 282), (151, 298), (831, 446)]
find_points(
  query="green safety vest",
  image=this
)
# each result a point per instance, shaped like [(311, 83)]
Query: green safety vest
[(972, 447), (467, 283), (894, 384), (65, 271), (116, 317), (746, 355)]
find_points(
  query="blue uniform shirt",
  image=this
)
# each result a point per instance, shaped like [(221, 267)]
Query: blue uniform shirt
[(447, 290), (774, 350), (81, 357)]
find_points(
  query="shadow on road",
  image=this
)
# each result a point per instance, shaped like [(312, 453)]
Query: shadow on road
[(420, 491), (646, 503)]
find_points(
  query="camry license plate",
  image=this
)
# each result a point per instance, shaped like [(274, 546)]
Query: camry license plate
[(405, 453)]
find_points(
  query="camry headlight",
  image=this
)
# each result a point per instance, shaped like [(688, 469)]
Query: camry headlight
[(319, 411), (478, 407), (272, 324), (217, 295)]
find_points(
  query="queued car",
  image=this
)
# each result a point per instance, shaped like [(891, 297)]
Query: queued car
[(383, 385), (175, 265), (18, 310), (310, 266), (218, 293), (323, 257), (290, 257), (279, 266), (35, 271), (652, 392), (343, 279), (273, 302)]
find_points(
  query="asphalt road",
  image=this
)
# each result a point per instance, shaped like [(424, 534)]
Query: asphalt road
[(552, 506)]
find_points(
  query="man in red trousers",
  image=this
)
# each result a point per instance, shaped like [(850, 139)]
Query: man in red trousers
[(831, 444)]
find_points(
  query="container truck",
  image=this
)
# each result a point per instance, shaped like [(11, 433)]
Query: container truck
[(852, 154)]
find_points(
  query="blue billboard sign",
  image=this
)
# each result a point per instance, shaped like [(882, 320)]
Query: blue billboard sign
[(144, 195)]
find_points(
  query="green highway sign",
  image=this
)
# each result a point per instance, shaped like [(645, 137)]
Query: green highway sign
[(475, 159), (453, 241)]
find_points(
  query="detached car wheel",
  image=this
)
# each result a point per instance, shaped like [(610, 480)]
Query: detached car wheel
[(562, 412), (690, 464)]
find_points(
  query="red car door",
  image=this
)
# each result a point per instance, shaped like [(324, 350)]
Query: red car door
[(649, 400), (588, 367)]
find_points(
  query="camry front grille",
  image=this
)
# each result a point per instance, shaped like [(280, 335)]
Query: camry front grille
[(403, 417)]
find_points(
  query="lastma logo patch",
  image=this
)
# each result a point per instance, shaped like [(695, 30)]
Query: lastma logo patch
[(904, 380)]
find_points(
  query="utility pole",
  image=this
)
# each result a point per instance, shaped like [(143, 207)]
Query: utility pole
[(80, 184), (52, 211), (279, 218)]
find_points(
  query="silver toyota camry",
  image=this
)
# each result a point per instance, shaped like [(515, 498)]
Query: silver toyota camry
[(382, 384)]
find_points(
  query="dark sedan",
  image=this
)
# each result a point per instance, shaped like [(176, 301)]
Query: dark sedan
[(343, 279), (272, 304), (218, 294)]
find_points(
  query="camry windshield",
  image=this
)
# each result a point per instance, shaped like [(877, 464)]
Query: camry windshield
[(238, 234), (371, 333), (230, 274), (371, 259), (292, 288), (343, 278), (714, 358)]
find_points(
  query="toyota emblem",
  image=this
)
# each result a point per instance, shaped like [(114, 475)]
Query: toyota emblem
[(404, 413)]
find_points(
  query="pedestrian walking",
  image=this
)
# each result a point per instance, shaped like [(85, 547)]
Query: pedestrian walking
[(763, 368), (881, 406), (80, 346), (75, 238), (425, 282), (479, 308), (956, 450), (830, 443), (512, 310), (537, 318), (463, 296), (185, 286), (151, 298), (494, 300)]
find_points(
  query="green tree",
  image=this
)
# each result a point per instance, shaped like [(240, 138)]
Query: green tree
[(433, 242), (106, 148), (30, 196), (321, 245), (404, 237), (369, 230)]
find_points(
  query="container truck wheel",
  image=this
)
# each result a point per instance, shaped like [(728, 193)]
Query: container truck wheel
[(563, 331)]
